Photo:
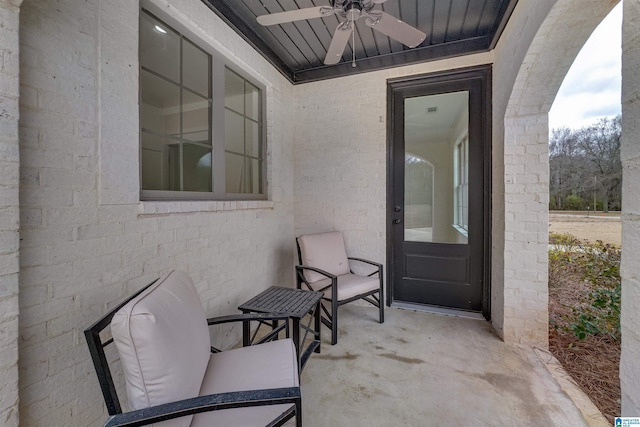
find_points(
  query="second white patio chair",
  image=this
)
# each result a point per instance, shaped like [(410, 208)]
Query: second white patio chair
[(324, 266)]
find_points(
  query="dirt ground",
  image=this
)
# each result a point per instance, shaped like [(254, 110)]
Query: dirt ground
[(590, 227)]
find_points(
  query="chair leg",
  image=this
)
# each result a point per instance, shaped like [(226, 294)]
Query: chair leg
[(299, 413), (381, 295), (334, 322)]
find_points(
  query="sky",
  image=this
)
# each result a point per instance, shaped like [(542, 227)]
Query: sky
[(591, 89)]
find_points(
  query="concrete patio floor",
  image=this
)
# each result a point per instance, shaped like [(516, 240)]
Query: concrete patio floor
[(424, 369)]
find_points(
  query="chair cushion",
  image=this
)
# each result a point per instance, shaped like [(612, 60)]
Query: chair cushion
[(163, 341), (349, 285), (324, 251), (263, 366)]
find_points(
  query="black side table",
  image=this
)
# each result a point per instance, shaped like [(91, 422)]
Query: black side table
[(295, 303)]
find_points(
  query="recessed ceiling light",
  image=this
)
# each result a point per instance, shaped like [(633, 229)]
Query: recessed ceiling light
[(159, 29)]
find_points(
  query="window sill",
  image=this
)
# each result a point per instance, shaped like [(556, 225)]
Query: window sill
[(148, 208), (461, 230)]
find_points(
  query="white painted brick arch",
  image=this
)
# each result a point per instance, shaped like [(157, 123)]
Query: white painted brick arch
[(520, 204), (556, 31)]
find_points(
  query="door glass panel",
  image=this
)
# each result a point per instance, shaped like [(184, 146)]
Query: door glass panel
[(436, 168)]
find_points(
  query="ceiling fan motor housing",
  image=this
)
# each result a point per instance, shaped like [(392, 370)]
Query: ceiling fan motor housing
[(353, 9)]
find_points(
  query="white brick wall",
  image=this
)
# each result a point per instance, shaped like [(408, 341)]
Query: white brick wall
[(9, 212), (87, 240), (630, 155)]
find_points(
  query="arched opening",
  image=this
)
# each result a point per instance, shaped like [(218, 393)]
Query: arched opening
[(539, 45), (561, 34), (584, 218)]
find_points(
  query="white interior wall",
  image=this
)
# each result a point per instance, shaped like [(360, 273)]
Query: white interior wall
[(87, 240)]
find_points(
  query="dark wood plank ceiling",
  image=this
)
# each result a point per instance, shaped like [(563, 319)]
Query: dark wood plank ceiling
[(453, 28)]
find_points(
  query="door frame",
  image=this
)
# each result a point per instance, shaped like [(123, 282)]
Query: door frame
[(481, 75)]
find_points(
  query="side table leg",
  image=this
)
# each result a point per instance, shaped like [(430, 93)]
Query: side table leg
[(246, 332), (318, 325), (296, 340)]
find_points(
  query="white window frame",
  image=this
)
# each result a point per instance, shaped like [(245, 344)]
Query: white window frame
[(461, 185)]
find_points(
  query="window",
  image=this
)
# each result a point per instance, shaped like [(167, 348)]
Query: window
[(461, 183), (201, 120), (243, 153)]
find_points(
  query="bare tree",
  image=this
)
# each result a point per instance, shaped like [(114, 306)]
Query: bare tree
[(584, 165), (600, 144)]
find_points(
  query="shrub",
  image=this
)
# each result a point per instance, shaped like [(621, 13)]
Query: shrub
[(598, 264), (574, 203)]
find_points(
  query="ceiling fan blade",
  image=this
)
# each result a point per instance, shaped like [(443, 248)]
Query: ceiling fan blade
[(396, 29), (294, 15), (339, 42)]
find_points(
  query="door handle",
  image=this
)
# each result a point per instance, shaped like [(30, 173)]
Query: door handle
[(396, 221), (397, 209)]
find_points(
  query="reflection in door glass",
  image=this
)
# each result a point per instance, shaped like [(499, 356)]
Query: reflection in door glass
[(436, 207)]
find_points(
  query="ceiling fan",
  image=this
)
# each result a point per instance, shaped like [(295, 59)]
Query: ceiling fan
[(351, 10)]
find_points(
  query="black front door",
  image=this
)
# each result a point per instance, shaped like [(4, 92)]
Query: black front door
[(439, 189)]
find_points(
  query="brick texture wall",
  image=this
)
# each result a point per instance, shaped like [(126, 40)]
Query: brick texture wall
[(87, 240), (9, 212)]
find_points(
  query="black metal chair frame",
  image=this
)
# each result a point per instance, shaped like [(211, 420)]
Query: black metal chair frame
[(195, 405), (330, 319)]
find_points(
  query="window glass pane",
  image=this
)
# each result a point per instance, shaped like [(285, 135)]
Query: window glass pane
[(176, 118), (159, 47), (252, 102), (155, 163), (196, 168), (160, 163), (233, 91), (159, 106), (252, 138), (234, 132), (196, 117), (196, 66), (234, 171), (255, 177)]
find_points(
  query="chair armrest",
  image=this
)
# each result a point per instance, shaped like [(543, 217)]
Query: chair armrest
[(212, 402), (317, 270), (366, 261), (248, 317), (245, 317), (301, 268)]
